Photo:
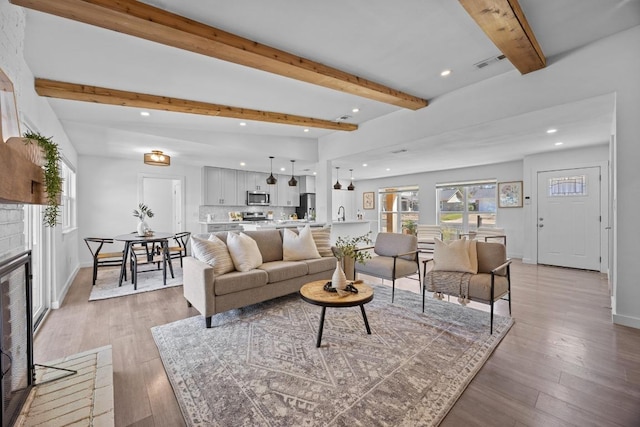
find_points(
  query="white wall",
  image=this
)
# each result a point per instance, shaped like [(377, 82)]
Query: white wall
[(36, 112), (108, 193), (510, 219)]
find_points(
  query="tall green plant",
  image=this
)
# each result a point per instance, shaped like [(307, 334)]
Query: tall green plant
[(52, 177)]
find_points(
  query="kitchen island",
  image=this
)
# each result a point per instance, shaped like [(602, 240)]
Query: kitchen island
[(346, 229)]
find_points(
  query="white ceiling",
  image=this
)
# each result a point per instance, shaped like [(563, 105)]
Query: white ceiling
[(403, 47)]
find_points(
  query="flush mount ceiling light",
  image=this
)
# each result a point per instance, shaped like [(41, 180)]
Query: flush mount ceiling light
[(337, 185), (272, 179), (157, 158), (292, 182), (351, 187)]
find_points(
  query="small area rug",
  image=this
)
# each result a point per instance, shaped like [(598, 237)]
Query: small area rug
[(260, 365), (107, 282)]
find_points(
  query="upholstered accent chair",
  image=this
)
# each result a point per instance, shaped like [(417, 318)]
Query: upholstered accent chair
[(470, 270), (395, 256)]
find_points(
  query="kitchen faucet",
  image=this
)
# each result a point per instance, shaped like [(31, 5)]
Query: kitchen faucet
[(341, 218)]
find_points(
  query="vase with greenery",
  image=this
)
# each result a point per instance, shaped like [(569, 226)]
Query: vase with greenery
[(410, 227), (141, 213), (346, 251), (51, 172)]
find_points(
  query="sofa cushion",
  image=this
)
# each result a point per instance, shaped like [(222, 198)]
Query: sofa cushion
[(214, 252), (298, 246), (322, 238), (244, 251), (319, 265), (239, 281), (452, 257), (269, 242), (283, 270)]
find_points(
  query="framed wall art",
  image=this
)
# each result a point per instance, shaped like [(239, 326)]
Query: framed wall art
[(510, 194), (368, 200)]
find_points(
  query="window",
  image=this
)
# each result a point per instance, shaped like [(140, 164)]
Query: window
[(568, 186), (68, 207), (465, 206), (398, 206)]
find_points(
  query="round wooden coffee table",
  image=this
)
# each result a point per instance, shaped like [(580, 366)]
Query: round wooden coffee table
[(314, 293)]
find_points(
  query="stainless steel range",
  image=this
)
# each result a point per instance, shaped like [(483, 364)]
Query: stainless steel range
[(254, 216)]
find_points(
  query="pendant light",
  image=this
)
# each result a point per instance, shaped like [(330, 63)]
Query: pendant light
[(272, 179), (293, 181), (351, 187), (337, 185)]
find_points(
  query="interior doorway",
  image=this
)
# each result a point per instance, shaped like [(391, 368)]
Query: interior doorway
[(34, 236), (569, 218), (164, 195)]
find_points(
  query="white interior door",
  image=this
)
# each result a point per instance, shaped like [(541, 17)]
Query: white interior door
[(164, 196), (569, 218)]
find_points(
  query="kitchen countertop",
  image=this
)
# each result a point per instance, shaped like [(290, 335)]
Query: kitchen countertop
[(355, 221), (289, 223)]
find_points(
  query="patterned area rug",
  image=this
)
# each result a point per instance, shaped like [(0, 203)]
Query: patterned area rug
[(259, 366), (107, 282)]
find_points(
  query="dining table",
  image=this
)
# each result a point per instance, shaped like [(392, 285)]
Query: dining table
[(132, 239)]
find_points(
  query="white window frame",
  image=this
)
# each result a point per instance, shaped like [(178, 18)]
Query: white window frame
[(68, 206), (465, 226)]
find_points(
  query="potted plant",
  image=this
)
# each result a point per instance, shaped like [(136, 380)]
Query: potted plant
[(345, 250), (141, 213), (410, 227), (51, 172)]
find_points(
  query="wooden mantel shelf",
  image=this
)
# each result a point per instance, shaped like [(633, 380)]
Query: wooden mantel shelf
[(21, 181)]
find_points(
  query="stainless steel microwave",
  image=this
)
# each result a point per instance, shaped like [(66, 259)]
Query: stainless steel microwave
[(258, 198)]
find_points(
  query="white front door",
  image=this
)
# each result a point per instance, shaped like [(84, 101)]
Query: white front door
[(569, 218)]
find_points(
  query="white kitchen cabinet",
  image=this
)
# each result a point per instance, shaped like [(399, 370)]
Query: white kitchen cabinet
[(257, 181), (220, 186), (307, 184), (284, 194)]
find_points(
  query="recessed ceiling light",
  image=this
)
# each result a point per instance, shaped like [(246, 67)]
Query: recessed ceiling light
[(558, 143), (306, 130), (445, 73), (315, 173), (355, 110), (145, 113), (243, 164), (388, 169), (282, 169), (364, 165), (243, 123), (552, 130)]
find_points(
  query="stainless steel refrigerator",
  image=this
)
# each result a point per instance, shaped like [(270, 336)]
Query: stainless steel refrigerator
[(307, 208)]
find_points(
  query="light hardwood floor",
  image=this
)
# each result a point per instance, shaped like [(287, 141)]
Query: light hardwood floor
[(562, 363)]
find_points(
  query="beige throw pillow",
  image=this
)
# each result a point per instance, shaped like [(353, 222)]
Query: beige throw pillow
[(244, 251), (322, 238), (452, 257), (296, 247), (214, 252), (473, 256)]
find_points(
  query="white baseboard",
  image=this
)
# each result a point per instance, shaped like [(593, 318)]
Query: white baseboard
[(58, 303), (632, 322), (528, 261)]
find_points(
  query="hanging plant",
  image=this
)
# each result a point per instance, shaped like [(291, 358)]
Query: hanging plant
[(52, 177)]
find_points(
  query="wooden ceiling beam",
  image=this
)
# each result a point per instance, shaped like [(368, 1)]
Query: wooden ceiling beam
[(158, 25), (505, 24), (101, 95)]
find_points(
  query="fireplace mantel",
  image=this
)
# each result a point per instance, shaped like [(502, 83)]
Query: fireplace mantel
[(21, 180)]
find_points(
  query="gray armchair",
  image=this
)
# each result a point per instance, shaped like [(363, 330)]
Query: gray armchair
[(396, 256)]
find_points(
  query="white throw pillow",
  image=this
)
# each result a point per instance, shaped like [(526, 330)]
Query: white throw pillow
[(322, 239), (452, 257), (214, 252), (244, 251), (296, 247)]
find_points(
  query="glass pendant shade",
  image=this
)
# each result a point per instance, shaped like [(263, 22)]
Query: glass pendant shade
[(272, 179), (351, 187), (337, 185), (293, 181)]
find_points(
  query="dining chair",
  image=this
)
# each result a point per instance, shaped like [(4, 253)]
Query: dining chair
[(102, 259), (180, 249)]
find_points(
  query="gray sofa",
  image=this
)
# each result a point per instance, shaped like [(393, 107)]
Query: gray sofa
[(211, 294)]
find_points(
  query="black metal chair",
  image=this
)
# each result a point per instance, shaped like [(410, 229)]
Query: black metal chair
[(102, 259), (180, 249)]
